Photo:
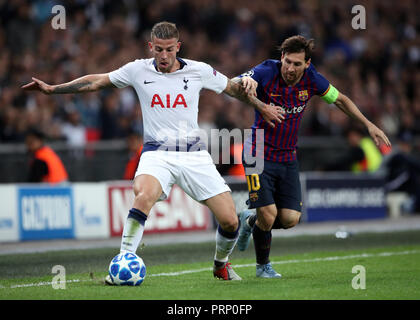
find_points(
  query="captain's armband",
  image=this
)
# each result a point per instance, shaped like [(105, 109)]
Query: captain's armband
[(330, 95)]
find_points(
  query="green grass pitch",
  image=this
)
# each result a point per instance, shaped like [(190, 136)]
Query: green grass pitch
[(313, 267)]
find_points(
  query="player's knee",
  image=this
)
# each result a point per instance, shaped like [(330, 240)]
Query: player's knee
[(138, 187), (145, 195), (230, 224), (266, 219), (291, 220), (144, 201)]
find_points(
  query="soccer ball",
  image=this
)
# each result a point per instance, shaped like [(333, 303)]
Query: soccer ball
[(127, 269)]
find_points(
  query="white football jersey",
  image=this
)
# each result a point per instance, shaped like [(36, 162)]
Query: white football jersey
[(169, 101)]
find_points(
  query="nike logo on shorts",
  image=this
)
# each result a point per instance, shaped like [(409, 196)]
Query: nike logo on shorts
[(147, 82)]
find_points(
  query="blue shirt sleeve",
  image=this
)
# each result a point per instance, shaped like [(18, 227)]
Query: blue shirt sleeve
[(263, 71), (321, 83)]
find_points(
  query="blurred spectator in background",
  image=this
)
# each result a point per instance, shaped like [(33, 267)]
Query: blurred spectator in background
[(109, 118), (362, 155), (73, 130), (384, 77), (378, 66), (135, 146), (402, 171), (45, 165)]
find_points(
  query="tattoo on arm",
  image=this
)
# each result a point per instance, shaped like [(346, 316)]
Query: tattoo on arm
[(72, 88), (234, 89), (236, 80), (91, 82)]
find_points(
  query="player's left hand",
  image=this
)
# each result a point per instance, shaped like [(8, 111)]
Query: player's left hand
[(272, 114), (378, 135)]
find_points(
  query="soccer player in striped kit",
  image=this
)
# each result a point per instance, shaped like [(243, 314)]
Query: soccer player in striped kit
[(276, 192)]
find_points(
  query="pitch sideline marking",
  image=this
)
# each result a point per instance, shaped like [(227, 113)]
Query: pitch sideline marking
[(170, 274), (334, 258)]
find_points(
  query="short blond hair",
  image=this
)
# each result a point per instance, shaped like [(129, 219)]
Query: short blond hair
[(164, 30)]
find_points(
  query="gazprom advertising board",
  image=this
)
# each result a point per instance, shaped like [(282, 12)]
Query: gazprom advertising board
[(45, 212), (99, 210), (90, 210)]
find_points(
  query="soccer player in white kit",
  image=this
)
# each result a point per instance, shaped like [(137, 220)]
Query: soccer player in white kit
[(168, 88)]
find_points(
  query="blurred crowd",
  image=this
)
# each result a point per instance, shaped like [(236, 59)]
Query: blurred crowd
[(376, 67)]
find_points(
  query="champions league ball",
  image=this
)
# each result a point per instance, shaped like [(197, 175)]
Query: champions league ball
[(127, 269)]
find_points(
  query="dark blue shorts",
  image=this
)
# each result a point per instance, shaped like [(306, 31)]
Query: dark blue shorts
[(278, 184)]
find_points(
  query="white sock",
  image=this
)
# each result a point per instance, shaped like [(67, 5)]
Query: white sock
[(133, 231), (225, 245)]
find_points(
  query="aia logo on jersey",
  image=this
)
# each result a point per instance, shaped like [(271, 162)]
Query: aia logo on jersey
[(303, 95), (179, 100)]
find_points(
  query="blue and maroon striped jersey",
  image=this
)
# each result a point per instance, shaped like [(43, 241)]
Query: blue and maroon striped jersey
[(280, 141)]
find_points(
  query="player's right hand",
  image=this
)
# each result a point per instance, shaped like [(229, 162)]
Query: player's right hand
[(39, 85)]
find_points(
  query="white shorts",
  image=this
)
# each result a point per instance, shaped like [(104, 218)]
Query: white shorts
[(194, 172)]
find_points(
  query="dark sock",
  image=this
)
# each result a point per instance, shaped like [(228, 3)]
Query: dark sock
[(137, 215), (262, 244), (252, 219), (228, 234)]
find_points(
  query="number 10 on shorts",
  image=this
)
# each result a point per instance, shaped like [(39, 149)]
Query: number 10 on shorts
[(253, 181)]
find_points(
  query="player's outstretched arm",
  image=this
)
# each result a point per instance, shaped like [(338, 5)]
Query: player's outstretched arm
[(270, 113), (91, 82), (345, 104)]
